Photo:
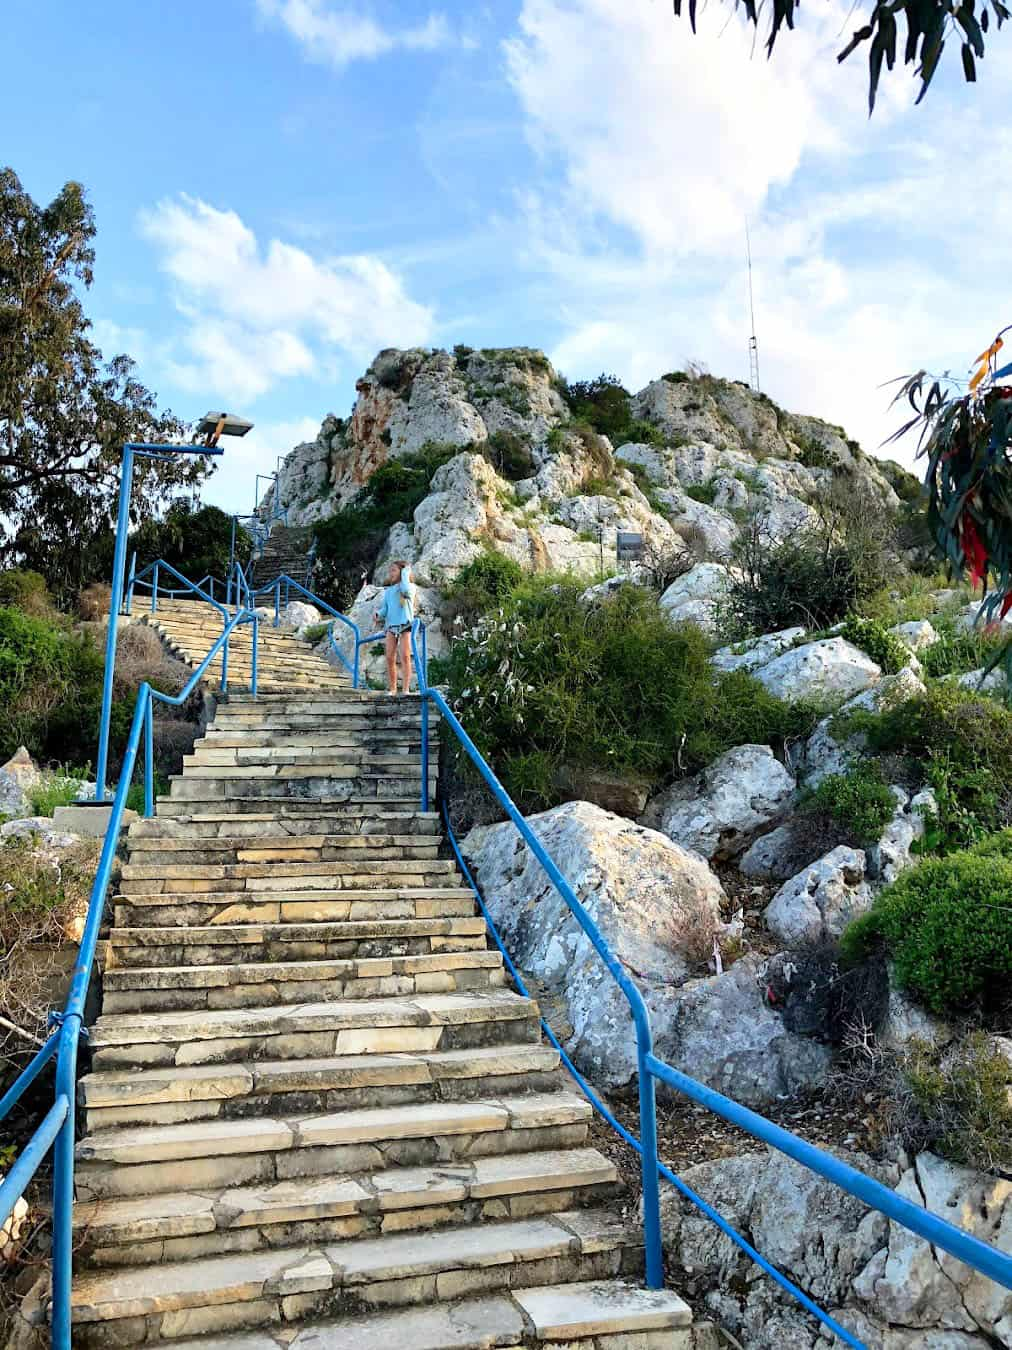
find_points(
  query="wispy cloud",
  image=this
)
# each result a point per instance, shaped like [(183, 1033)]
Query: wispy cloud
[(255, 316), (337, 37)]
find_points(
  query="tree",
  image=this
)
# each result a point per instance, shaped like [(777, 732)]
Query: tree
[(929, 25), (65, 413)]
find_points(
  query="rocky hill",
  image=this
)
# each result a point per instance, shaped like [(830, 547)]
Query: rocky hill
[(788, 809)]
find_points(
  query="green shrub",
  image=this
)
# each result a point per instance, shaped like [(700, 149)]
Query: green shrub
[(676, 377), (50, 688), (195, 542), (604, 405), (641, 432), (947, 925), (509, 454), (959, 651), (956, 1101), (703, 492), (875, 640), (962, 741), (814, 576), (859, 801), (480, 586), (58, 790), (547, 680), (28, 592)]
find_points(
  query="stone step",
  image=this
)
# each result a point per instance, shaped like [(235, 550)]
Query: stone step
[(146, 1160), (167, 909), (306, 1031), (593, 1315), (372, 753), (283, 848), (359, 1274), (177, 988), (245, 943), (305, 782), (317, 809), (183, 1226), (295, 819), (339, 736), (315, 1086), (332, 874)]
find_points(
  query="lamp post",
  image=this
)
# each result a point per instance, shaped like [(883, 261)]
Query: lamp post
[(212, 427)]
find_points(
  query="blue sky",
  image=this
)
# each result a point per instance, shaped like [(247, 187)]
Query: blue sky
[(282, 187)]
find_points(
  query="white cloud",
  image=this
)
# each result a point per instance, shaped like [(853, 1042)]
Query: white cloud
[(231, 486), (336, 37), (665, 143), (256, 316)]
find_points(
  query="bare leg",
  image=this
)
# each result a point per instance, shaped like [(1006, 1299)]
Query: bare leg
[(405, 645), (391, 655)]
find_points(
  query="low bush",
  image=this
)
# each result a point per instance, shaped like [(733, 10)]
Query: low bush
[(546, 679), (28, 592), (509, 454), (875, 640), (962, 742), (50, 688), (59, 789), (605, 405), (958, 651), (956, 1101), (94, 601), (706, 493), (814, 576), (947, 926), (859, 802)]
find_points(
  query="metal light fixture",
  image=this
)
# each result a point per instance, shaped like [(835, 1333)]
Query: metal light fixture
[(215, 424)]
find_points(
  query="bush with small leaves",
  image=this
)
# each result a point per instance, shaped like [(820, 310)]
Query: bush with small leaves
[(859, 801), (875, 640), (947, 926)]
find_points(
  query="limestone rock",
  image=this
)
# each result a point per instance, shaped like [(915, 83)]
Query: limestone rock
[(772, 856), (916, 1285), (994, 682), (892, 854), (300, 616), (916, 636), (831, 669), (721, 809), (40, 828), (695, 597), (17, 777), (304, 475), (907, 1021), (624, 795), (758, 651), (831, 749), (721, 1031), (822, 900), (657, 905)]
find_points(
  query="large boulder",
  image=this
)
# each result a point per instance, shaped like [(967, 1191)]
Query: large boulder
[(17, 778), (758, 651), (833, 746), (696, 596), (820, 901), (721, 1031), (657, 905), (719, 811), (831, 670)]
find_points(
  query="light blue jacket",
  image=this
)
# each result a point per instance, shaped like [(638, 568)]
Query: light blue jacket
[(397, 605)]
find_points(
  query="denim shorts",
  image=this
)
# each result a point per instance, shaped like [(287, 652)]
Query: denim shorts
[(398, 629)]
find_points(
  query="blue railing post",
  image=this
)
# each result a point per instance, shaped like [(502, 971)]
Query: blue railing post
[(63, 1180), (130, 583), (224, 668), (358, 648), (277, 602), (253, 664), (149, 754), (115, 601), (652, 1243), (154, 590), (425, 751)]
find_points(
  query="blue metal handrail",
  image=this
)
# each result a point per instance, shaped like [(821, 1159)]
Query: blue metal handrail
[(996, 1265), (155, 569), (56, 1131), (352, 666)]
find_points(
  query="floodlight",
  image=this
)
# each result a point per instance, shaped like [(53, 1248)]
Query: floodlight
[(215, 424)]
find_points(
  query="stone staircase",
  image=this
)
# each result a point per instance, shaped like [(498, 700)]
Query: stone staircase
[(284, 662), (286, 553), (317, 1115)]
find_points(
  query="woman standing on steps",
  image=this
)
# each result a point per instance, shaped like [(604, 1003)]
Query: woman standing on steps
[(396, 614)]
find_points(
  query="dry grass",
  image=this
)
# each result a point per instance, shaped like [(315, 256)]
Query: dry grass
[(94, 601), (141, 655)]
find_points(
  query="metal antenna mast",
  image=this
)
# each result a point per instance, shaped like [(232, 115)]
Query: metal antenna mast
[(753, 342)]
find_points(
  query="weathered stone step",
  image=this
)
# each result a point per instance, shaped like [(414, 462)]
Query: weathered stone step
[(303, 783), (282, 848), (329, 874), (363, 735), (213, 944), (315, 1086), (594, 1315), (425, 1022), (325, 808), (287, 1284), (149, 1160), (294, 818), (372, 753), (294, 766), (167, 909), (168, 988), (183, 1226)]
